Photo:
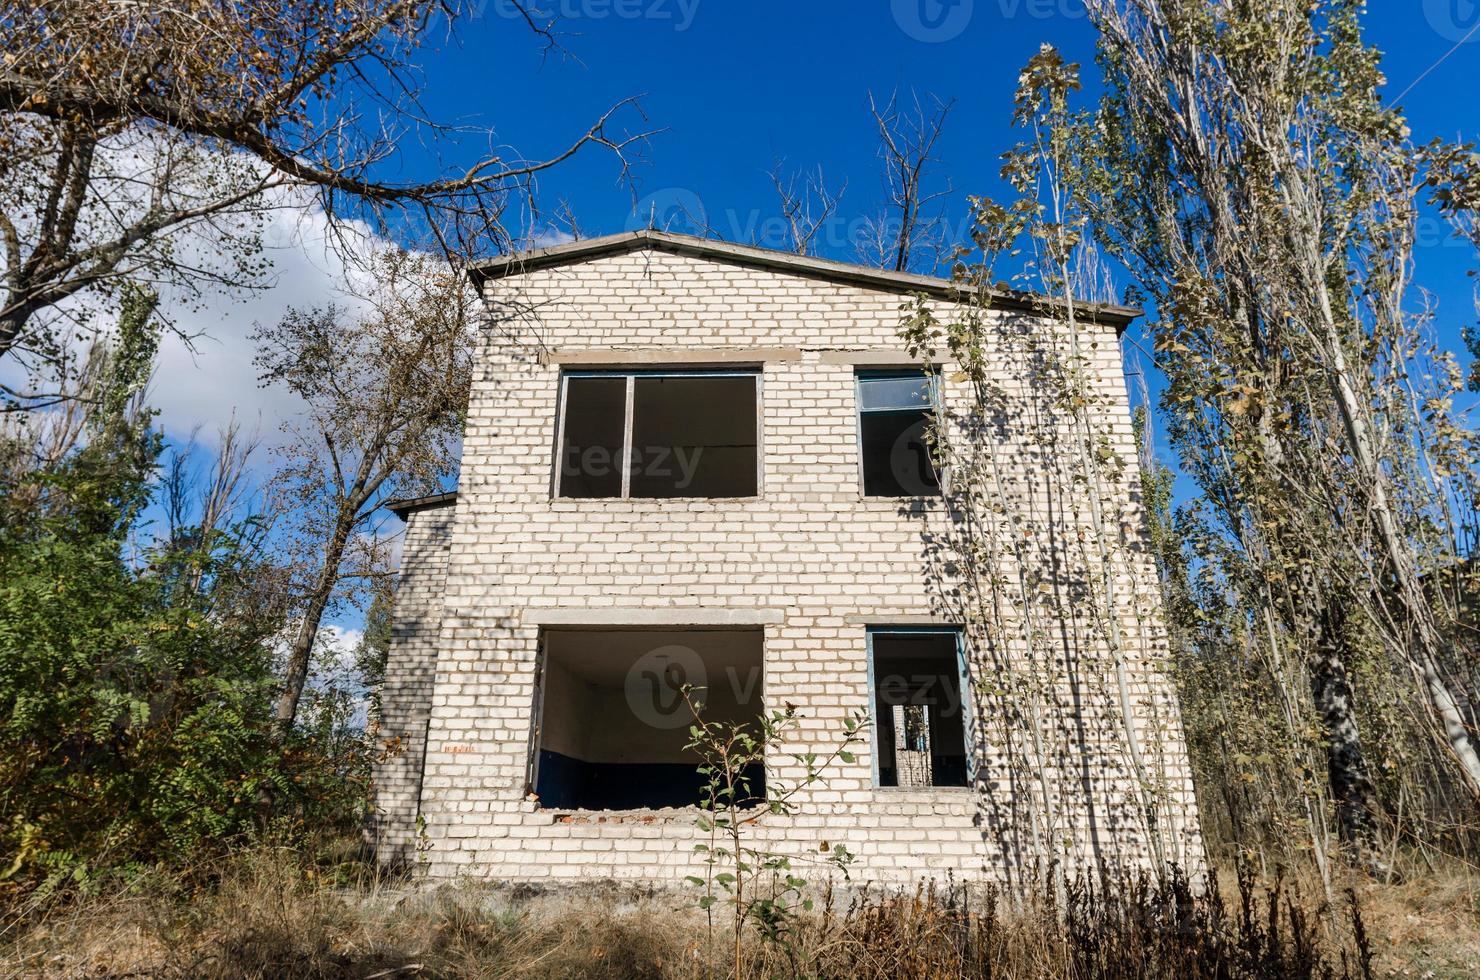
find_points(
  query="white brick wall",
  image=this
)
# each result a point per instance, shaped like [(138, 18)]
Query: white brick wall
[(406, 695), (831, 561)]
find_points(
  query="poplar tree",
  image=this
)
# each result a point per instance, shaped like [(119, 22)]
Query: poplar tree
[(1250, 176)]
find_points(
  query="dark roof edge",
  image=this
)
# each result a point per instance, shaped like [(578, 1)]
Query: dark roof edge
[(746, 255), (402, 508)]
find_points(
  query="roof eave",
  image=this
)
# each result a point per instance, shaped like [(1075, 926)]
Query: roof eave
[(404, 508), (904, 283)]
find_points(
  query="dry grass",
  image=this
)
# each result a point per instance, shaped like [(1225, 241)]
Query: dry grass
[(269, 913), (1426, 926), (265, 916)]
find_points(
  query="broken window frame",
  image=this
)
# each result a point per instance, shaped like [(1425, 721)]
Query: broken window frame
[(963, 681), (630, 375), (860, 377)]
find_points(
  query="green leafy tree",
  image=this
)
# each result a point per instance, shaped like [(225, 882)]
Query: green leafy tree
[(135, 676), (1248, 173), (386, 389), (124, 127)]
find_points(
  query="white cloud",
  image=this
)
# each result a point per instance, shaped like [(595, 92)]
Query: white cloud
[(336, 650), (204, 383), (202, 388), (550, 236)]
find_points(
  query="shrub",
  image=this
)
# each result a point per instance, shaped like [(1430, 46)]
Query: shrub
[(136, 674)]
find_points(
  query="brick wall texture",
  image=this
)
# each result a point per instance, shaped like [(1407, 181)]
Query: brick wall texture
[(810, 556), (406, 693)]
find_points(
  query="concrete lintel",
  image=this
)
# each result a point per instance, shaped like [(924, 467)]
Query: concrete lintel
[(649, 356), (402, 508), (908, 619), (611, 616), (870, 358)]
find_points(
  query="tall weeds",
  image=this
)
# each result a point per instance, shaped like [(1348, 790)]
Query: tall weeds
[(277, 913)]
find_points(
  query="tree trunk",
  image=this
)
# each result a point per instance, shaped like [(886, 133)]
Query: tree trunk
[(1347, 772), (11, 323), (1427, 638), (295, 676)]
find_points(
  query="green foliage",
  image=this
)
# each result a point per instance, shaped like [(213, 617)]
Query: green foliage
[(1042, 567), (762, 887), (128, 729), (373, 652), (1247, 171), (135, 677), (1472, 344)]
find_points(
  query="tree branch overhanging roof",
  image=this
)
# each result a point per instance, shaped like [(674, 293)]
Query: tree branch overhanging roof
[(904, 283)]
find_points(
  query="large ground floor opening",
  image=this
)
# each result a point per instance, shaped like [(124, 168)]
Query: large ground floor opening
[(612, 725)]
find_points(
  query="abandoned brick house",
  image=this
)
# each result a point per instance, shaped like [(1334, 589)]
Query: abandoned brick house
[(689, 461)]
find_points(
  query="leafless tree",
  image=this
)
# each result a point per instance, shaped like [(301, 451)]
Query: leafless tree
[(38, 441), (386, 389), (807, 205), (124, 124), (200, 504), (908, 235)]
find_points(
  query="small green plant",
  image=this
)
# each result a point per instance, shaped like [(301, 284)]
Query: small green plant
[(760, 886)]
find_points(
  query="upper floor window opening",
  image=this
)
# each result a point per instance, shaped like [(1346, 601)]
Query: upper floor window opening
[(894, 412), (659, 434)]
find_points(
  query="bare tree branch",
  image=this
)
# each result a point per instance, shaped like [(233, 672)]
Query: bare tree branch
[(907, 232), (121, 123), (808, 209)]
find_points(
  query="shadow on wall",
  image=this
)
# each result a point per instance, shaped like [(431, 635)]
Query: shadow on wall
[(1013, 559)]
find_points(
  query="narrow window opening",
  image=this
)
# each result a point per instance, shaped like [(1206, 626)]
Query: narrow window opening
[(679, 435), (920, 727), (592, 442), (894, 416), (614, 728)]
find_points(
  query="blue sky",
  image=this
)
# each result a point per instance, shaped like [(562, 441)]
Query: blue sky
[(736, 86)]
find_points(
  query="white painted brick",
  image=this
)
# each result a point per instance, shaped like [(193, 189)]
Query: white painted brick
[(459, 686)]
